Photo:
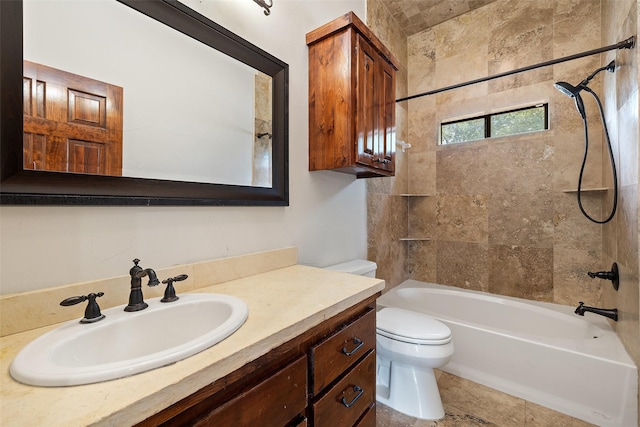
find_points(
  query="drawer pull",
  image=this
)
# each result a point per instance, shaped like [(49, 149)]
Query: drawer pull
[(355, 399), (358, 342)]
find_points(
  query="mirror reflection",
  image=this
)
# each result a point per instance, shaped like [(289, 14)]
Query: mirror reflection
[(109, 91)]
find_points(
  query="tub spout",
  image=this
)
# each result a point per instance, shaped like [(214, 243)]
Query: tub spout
[(611, 313)]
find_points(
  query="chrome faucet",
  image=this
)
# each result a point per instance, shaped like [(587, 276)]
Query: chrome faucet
[(136, 301), (611, 313)]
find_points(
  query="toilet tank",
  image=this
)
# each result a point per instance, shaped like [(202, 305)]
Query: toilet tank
[(361, 267)]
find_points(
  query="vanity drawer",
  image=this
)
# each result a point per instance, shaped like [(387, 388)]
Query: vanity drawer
[(273, 402), (332, 356), (369, 418), (346, 401)]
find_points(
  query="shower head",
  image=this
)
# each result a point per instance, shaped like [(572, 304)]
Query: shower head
[(568, 89), (574, 91)]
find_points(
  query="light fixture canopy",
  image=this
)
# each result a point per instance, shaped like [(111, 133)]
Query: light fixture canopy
[(266, 4)]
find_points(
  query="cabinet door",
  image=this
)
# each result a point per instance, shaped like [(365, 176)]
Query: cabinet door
[(366, 110), (386, 129), (274, 402), (375, 109)]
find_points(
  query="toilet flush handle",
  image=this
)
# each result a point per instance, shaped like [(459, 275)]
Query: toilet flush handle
[(357, 342)]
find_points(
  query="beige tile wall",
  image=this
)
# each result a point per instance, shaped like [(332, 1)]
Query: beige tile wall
[(620, 236), (386, 210), (499, 219)]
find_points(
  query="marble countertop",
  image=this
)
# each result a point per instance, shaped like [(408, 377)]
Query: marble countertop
[(282, 304)]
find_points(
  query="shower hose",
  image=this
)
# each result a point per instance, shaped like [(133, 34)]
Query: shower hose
[(584, 161)]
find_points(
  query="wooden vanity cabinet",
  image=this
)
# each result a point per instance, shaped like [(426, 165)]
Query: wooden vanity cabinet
[(325, 376), (352, 86)]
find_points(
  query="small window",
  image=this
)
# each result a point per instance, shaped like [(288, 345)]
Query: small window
[(463, 131), (514, 122)]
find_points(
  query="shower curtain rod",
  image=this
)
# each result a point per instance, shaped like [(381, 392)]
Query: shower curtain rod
[(625, 44)]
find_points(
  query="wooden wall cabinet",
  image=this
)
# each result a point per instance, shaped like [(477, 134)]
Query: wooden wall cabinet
[(324, 377), (352, 88)]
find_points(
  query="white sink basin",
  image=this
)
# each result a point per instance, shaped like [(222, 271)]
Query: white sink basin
[(125, 343)]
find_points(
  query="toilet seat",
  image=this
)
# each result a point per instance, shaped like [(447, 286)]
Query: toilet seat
[(411, 327)]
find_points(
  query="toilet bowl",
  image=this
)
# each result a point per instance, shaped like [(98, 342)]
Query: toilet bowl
[(409, 345)]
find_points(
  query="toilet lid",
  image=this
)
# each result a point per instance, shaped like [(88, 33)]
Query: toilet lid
[(412, 327)]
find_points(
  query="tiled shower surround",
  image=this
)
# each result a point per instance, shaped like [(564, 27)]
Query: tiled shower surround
[(502, 215), (498, 216)]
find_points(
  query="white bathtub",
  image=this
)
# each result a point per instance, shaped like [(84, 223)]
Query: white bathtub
[(541, 352)]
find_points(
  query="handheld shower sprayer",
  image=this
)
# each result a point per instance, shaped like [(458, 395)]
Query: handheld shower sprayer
[(574, 92)]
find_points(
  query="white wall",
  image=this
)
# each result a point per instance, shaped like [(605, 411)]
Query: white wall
[(44, 246)]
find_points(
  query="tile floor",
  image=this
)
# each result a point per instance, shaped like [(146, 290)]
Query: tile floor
[(469, 404)]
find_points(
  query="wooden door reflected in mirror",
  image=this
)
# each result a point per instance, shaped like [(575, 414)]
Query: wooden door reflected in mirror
[(71, 123)]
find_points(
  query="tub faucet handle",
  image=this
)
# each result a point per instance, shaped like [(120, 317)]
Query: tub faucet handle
[(608, 275)]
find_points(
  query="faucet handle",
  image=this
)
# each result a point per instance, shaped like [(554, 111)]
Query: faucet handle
[(612, 275), (92, 312), (170, 291)]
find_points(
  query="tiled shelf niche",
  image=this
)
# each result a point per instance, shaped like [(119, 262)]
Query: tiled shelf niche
[(586, 190), (411, 238)]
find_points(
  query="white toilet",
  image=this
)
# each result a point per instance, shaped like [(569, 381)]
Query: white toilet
[(409, 346), (361, 267)]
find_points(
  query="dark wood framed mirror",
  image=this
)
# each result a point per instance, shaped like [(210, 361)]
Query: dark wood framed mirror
[(20, 186)]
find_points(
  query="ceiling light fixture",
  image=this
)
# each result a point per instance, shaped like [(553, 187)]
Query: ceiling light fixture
[(267, 4)]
